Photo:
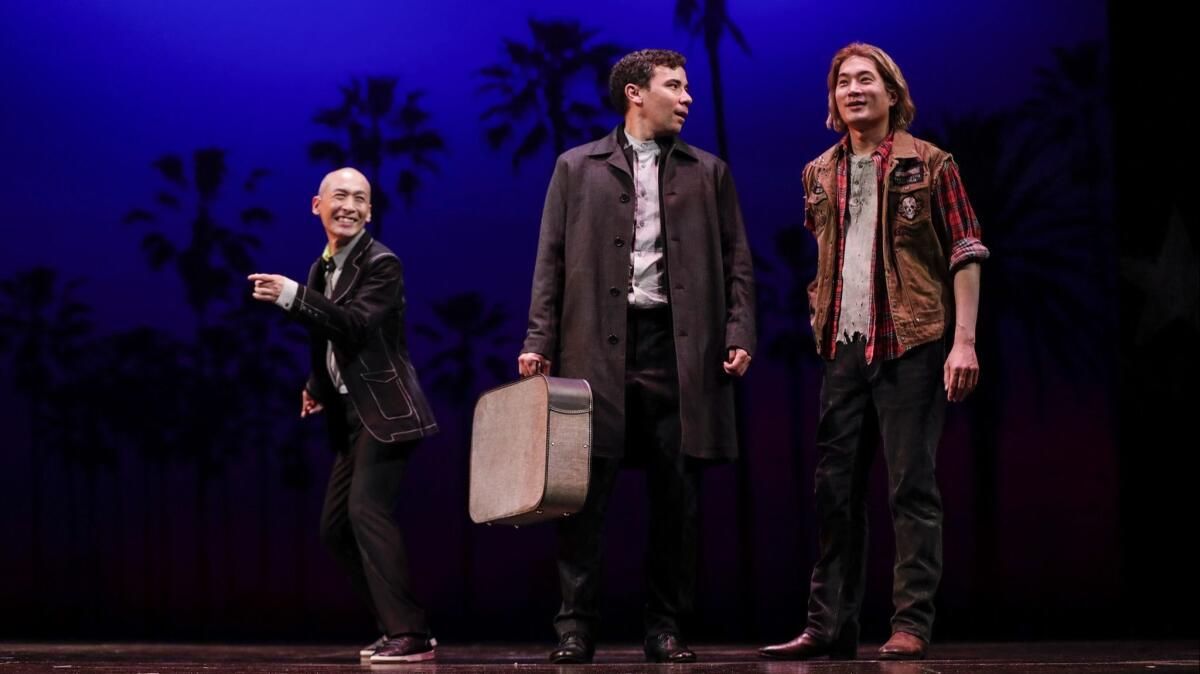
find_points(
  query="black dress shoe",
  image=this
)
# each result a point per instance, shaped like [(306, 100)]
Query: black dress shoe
[(574, 648), (667, 647), (805, 647)]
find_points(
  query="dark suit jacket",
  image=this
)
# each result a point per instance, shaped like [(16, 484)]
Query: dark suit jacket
[(577, 311), (364, 319)]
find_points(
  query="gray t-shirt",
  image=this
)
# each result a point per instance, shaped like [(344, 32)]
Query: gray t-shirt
[(855, 317)]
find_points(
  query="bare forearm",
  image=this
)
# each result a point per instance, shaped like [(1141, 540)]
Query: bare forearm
[(966, 303)]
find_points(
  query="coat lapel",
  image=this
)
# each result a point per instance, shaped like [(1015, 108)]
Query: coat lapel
[(352, 270)]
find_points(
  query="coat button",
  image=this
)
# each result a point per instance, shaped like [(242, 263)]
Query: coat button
[(624, 198), (612, 339), (618, 242), (614, 292)]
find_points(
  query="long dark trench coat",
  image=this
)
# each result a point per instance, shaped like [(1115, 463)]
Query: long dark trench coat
[(577, 310)]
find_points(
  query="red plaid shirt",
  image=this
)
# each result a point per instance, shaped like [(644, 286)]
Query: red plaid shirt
[(961, 228)]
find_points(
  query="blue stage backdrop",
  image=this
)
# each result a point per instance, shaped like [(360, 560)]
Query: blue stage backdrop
[(157, 481)]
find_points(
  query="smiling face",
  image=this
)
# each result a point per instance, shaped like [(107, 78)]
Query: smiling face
[(343, 204), (863, 101)]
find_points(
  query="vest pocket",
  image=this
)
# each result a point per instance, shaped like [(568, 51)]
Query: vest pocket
[(909, 205), (916, 250)]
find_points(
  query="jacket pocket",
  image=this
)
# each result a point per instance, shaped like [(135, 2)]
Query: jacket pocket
[(389, 394)]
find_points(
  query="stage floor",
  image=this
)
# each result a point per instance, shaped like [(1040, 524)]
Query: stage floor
[(950, 658)]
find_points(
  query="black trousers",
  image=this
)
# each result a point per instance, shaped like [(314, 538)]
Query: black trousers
[(358, 526), (904, 401), (672, 484)]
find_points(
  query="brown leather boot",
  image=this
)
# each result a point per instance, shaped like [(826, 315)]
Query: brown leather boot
[(903, 646)]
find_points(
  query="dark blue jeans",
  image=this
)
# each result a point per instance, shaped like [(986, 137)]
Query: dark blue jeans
[(903, 401)]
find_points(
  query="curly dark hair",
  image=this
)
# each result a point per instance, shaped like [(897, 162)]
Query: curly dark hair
[(637, 68)]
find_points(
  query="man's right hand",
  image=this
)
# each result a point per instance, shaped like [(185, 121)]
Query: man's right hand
[(308, 404), (267, 287), (529, 364)]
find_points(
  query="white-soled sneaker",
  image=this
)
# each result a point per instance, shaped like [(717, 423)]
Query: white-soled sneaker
[(369, 650), (406, 648)]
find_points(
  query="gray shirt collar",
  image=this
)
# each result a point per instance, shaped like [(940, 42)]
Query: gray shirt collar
[(339, 258)]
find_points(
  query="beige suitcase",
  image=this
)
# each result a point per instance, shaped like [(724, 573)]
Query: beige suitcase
[(530, 451)]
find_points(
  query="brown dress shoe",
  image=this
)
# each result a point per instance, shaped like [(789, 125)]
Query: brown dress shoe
[(805, 647), (903, 646)]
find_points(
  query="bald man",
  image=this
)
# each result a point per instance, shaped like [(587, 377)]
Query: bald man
[(353, 308)]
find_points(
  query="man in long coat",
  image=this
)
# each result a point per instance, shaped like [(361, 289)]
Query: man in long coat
[(643, 286)]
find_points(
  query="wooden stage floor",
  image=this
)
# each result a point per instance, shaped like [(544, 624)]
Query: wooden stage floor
[(951, 658)]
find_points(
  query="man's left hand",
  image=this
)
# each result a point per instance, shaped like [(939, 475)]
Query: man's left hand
[(737, 363), (961, 372), (267, 287)]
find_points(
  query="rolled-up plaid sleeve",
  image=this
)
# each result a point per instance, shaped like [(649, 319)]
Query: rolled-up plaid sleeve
[(961, 226)]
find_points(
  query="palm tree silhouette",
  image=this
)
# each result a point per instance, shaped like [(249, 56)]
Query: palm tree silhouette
[(791, 343), (1071, 108), (210, 261), (367, 114), (549, 83), (711, 22), (466, 320), (215, 257), (1040, 277), (469, 328), (261, 373), (785, 339), (140, 397), (709, 19), (46, 332), (1039, 290)]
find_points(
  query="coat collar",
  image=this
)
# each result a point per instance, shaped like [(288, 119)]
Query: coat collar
[(351, 269), (613, 147)]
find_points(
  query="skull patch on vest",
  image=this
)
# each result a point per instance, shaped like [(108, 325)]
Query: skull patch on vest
[(910, 207)]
